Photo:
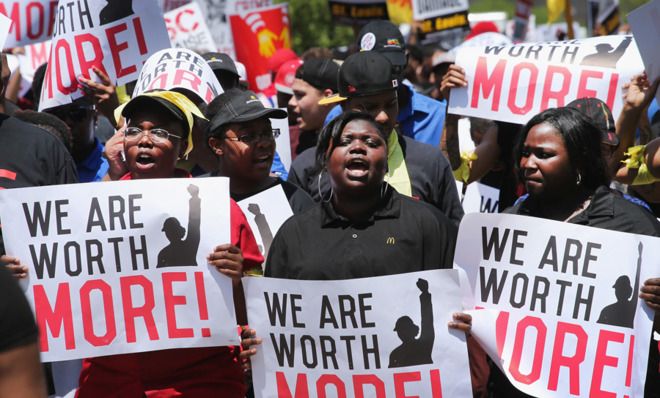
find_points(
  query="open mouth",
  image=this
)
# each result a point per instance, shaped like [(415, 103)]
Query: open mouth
[(144, 159), (263, 159), (357, 167)]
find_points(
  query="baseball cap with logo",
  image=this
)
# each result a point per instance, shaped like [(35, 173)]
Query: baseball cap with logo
[(600, 115), (221, 62), (384, 37), (362, 74), (241, 106), (285, 76), (319, 73)]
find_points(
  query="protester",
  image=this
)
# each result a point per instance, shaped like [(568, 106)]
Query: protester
[(241, 136), (48, 122), (419, 117), (21, 373), (561, 165), (158, 132), (315, 80), (414, 169), (223, 68)]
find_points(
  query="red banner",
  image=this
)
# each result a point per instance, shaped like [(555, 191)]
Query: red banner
[(261, 32)]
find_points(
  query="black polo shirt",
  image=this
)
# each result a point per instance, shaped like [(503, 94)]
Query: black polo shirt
[(430, 176), (402, 235), (608, 209)]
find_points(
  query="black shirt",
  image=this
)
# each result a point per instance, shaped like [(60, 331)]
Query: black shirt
[(402, 235), (429, 171), (30, 156), (17, 326)]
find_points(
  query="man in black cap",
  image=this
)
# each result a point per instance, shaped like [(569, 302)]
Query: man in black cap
[(224, 69), (366, 84), (420, 117), (315, 80), (241, 136)]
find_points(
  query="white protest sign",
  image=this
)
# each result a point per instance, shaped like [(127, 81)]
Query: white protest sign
[(266, 212), (188, 29), (562, 314), (425, 9), (5, 24), (32, 21), (373, 337), (116, 37), (479, 198), (110, 271), (514, 83), (35, 56), (181, 68), (283, 142), (646, 29)]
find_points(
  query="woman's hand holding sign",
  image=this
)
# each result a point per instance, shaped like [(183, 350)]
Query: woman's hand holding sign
[(14, 266), (651, 293), (228, 260)]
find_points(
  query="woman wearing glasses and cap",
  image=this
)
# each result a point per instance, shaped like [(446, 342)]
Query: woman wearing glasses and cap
[(241, 136), (157, 133)]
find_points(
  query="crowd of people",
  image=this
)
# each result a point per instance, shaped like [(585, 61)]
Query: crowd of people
[(374, 151)]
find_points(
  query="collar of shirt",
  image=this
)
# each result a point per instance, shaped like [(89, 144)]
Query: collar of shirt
[(388, 207), (414, 104), (94, 166)]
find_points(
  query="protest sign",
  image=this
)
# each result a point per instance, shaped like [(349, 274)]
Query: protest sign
[(283, 142), (110, 271), (603, 17), (644, 24), (5, 25), (188, 29), (351, 12), (521, 20), (266, 212), (262, 31), (32, 20), (178, 68), (444, 21), (400, 11), (116, 37), (514, 83), (374, 337), (35, 56), (478, 198), (561, 309)]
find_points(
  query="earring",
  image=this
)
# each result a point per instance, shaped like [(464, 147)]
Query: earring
[(579, 179), (383, 189), (318, 186)]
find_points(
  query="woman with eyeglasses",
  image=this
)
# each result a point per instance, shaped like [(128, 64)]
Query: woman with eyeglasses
[(157, 133), (241, 135)]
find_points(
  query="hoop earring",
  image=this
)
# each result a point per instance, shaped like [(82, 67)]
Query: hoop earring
[(579, 179), (318, 186)]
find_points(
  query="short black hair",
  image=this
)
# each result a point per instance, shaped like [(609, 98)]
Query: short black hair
[(48, 122), (331, 133), (582, 140)]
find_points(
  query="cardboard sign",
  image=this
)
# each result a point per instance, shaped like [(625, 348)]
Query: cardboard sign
[(373, 337), (110, 271), (35, 56), (178, 68), (479, 198), (187, 29), (351, 12), (262, 31), (32, 20), (116, 37), (561, 312), (266, 212), (646, 29), (5, 25), (514, 83)]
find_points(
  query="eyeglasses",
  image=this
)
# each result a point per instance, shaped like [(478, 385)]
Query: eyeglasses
[(252, 138), (157, 135), (72, 113)]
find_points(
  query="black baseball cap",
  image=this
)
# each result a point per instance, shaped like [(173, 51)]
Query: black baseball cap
[(221, 62), (362, 74), (241, 106), (319, 73), (384, 37), (600, 115)]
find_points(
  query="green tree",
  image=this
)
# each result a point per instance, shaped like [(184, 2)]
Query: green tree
[(312, 26)]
